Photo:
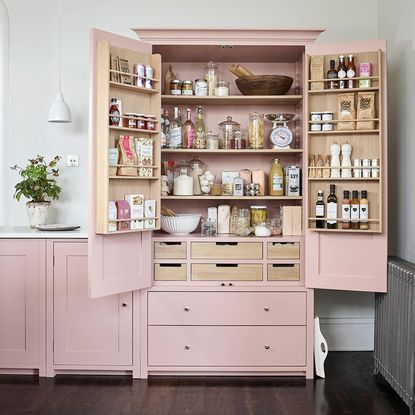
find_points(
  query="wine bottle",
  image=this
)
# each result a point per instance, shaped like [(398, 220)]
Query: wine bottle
[(332, 208), (176, 130), (320, 210), (188, 131)]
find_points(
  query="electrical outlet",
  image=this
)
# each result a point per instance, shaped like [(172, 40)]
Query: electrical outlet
[(72, 160)]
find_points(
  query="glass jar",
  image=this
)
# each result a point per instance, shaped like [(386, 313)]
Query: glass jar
[(223, 89), (200, 141), (258, 214), (240, 142), (212, 77), (256, 130), (208, 227), (141, 121), (131, 120), (198, 167), (183, 179), (151, 122), (187, 88), (212, 141), (262, 229), (243, 223), (227, 130), (275, 225), (175, 87), (201, 87)]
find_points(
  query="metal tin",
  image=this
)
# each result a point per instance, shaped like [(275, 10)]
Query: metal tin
[(315, 127), (187, 88), (201, 87), (327, 116), (327, 127), (315, 116)]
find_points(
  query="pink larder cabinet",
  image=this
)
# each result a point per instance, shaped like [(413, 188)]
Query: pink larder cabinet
[(22, 297), (349, 259), (87, 332)]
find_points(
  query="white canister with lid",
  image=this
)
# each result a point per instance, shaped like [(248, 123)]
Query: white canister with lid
[(327, 116), (315, 127), (327, 127), (315, 116), (357, 171)]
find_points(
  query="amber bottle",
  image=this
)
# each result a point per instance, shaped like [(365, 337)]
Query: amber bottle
[(355, 210)]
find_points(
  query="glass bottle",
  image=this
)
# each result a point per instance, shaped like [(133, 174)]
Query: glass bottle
[(199, 125), (212, 77), (332, 208), (276, 179), (166, 128), (256, 131), (364, 211), (320, 210), (176, 130), (346, 210), (351, 72), (163, 140), (188, 131), (332, 75), (200, 131), (114, 112), (342, 72), (355, 209)]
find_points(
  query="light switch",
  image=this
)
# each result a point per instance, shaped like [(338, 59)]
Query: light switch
[(72, 160)]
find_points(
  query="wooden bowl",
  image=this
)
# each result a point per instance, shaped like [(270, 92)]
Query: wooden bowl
[(264, 84)]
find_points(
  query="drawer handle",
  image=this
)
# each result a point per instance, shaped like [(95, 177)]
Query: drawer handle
[(282, 243), (187, 309), (124, 305), (266, 347), (230, 284), (170, 243), (227, 243), (187, 347), (171, 265), (222, 284), (283, 265), (226, 265), (266, 308)]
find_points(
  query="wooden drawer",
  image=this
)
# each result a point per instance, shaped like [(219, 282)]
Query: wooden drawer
[(227, 346), (283, 250), (226, 272), (170, 272), (170, 250), (227, 308), (283, 272), (226, 250)]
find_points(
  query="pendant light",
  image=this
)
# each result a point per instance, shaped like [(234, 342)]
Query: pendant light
[(59, 111)]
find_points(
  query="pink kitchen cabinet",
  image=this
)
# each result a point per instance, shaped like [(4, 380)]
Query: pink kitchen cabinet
[(180, 306), (86, 334), (22, 305)]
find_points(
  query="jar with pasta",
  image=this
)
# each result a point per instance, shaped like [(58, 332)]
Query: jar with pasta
[(212, 76), (256, 130)]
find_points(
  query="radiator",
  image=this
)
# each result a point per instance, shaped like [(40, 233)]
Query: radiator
[(394, 354)]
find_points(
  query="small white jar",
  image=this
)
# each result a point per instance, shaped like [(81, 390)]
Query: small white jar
[(327, 127), (327, 116), (315, 116), (315, 127)]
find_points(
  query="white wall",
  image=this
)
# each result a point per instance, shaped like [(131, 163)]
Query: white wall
[(396, 24), (34, 84)]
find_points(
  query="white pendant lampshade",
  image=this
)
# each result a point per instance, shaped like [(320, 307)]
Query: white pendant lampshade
[(59, 111)]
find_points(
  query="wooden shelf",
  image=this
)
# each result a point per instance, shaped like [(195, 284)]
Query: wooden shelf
[(129, 220), (338, 121), (231, 100), (133, 130), (231, 197), (344, 179), (342, 91), (131, 230), (131, 178), (344, 132), (133, 75), (345, 230), (343, 79), (228, 152), (341, 219), (134, 88)]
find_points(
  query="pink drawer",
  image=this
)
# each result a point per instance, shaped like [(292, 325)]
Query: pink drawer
[(226, 346), (227, 308)]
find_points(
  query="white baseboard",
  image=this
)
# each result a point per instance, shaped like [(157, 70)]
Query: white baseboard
[(348, 334)]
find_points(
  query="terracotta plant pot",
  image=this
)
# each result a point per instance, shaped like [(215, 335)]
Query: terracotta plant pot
[(38, 213)]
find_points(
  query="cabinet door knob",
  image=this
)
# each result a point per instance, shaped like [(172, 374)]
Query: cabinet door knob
[(124, 304), (187, 347), (266, 308), (187, 309), (266, 347)]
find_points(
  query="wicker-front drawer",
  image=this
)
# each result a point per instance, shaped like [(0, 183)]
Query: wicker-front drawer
[(170, 250), (226, 272), (226, 250), (283, 272), (170, 272), (283, 250)]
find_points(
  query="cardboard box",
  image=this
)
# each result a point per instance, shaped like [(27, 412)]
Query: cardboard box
[(297, 228), (112, 215), (287, 220), (136, 203), (150, 208)]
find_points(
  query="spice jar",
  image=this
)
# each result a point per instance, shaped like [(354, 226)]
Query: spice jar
[(183, 179), (262, 229), (131, 121), (258, 214), (187, 88), (240, 142), (275, 225), (212, 141), (243, 222), (256, 130), (223, 89), (208, 227), (141, 121), (175, 87), (201, 87), (200, 141), (227, 130), (216, 189), (151, 122), (211, 77)]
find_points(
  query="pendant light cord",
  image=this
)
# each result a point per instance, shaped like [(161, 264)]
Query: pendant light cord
[(60, 43)]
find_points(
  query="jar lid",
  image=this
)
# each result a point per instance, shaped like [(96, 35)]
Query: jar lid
[(325, 112), (150, 116), (201, 80), (175, 81), (130, 114), (316, 112), (228, 121), (258, 207), (141, 115), (187, 83)]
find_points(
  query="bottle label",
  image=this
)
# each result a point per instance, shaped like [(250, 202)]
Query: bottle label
[(277, 183), (332, 212), (346, 212), (176, 137), (190, 137), (364, 213), (341, 74), (351, 73), (354, 214), (319, 211)]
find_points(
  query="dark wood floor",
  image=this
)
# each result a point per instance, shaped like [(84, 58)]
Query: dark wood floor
[(349, 388)]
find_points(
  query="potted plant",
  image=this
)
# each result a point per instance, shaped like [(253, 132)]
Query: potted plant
[(38, 183)]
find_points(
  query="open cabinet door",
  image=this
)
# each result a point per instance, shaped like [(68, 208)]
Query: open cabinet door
[(118, 261), (346, 259)]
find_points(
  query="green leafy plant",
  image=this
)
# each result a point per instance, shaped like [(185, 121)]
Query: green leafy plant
[(38, 180)]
